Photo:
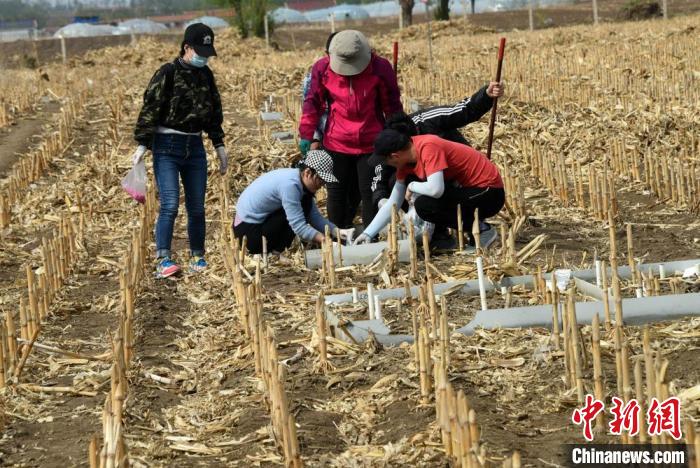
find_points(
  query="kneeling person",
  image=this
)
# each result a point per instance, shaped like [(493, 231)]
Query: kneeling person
[(451, 173), (280, 204)]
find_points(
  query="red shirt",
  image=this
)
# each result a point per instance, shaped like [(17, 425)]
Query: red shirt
[(458, 162)]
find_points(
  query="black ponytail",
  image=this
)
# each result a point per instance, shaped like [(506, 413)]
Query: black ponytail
[(402, 123)]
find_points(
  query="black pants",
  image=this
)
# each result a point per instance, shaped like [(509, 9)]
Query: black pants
[(443, 210), (354, 186), (275, 229)]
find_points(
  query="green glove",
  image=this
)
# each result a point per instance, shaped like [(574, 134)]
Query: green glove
[(304, 146)]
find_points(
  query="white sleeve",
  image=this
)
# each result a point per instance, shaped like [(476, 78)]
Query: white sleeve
[(434, 187), (383, 216)]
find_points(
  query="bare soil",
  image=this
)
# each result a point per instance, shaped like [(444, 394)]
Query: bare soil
[(22, 134)]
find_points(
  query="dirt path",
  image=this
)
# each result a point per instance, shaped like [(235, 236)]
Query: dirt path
[(54, 429), (16, 139)]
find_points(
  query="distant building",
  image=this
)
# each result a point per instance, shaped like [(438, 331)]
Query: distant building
[(81, 3), (16, 30), (305, 5)]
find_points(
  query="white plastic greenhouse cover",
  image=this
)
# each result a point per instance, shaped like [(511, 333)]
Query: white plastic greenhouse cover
[(391, 8), (349, 12), (211, 21), (142, 26), (87, 30), (342, 12), (319, 15), (382, 9), (287, 15)]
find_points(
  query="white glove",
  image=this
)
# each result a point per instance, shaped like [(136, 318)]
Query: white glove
[(223, 159), (410, 195), (138, 155), (362, 239), (347, 235), (382, 202)]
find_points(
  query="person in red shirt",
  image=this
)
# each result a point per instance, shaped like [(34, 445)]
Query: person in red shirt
[(449, 174), (358, 90)]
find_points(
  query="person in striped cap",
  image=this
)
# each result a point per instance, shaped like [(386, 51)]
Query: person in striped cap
[(280, 205)]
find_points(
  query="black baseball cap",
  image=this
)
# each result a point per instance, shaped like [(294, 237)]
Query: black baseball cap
[(200, 37), (388, 141)]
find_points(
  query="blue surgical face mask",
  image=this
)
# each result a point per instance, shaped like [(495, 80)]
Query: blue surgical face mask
[(198, 61)]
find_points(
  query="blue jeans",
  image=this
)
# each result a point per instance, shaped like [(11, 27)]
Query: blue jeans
[(182, 155)]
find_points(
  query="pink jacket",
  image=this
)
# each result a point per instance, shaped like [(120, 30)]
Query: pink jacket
[(358, 105)]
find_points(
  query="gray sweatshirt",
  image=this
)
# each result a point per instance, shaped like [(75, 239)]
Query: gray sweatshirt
[(281, 188)]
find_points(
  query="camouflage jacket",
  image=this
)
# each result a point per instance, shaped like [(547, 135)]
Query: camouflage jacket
[(183, 98)]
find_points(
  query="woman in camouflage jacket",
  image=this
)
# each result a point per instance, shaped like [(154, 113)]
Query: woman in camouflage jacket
[(180, 102)]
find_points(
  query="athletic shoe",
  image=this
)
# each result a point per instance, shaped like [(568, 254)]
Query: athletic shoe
[(197, 264), (166, 268), (488, 236)]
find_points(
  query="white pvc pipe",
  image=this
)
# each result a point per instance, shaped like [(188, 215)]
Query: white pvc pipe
[(662, 272), (482, 287), (377, 309), (357, 254), (636, 312), (471, 287), (370, 300), (355, 298), (598, 273)]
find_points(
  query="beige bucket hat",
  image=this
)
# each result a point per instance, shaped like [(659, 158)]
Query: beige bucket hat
[(350, 53)]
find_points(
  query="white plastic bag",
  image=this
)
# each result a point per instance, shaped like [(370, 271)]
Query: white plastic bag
[(135, 182), (419, 224)]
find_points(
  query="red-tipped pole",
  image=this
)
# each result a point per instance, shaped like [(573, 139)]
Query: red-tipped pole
[(492, 123), (396, 57)]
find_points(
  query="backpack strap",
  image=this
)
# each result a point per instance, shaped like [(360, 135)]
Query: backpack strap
[(169, 69)]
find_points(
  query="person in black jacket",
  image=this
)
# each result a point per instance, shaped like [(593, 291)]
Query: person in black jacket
[(443, 121), (180, 102)]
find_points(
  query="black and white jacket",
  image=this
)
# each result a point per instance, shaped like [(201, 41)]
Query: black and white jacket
[(443, 121)]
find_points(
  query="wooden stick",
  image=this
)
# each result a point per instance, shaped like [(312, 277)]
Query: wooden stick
[(321, 329), (416, 338), (3, 371), (426, 253), (476, 232), (639, 394), (463, 419), (413, 252), (460, 228), (473, 428), (340, 246), (444, 334), (11, 338), (492, 122), (33, 305), (555, 314), (425, 363), (25, 355), (597, 367), (578, 373), (434, 324)]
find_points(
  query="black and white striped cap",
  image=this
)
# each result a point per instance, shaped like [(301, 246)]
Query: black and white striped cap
[(322, 163)]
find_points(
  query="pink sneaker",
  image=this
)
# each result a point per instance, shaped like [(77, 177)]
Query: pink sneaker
[(166, 268)]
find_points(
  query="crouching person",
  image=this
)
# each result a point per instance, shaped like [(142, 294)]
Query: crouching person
[(280, 205), (449, 174)]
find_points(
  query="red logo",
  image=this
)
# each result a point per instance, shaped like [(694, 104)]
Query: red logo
[(587, 414), (626, 417), (665, 417), (661, 417)]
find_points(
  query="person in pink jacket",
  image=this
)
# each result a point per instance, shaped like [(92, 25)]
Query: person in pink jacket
[(359, 90)]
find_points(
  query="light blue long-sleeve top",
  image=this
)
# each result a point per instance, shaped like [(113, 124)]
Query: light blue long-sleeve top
[(281, 188)]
